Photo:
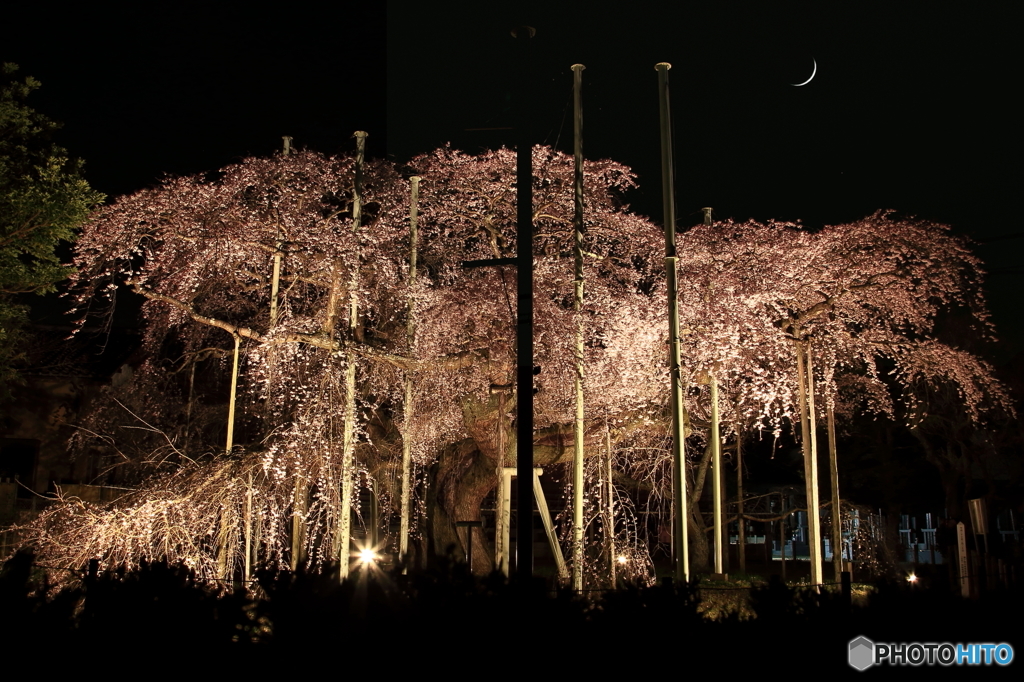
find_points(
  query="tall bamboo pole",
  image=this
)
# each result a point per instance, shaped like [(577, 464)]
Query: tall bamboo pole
[(248, 528), (348, 437), (716, 476), (503, 532), (410, 338), (374, 539), (231, 398), (609, 504), (299, 501), (577, 459), (275, 281), (680, 531), (227, 517), (813, 512), (837, 511), (502, 516), (806, 396)]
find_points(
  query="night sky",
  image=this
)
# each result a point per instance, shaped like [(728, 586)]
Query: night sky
[(909, 108), (188, 87)]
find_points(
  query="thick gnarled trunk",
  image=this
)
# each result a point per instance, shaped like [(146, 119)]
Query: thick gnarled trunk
[(462, 478)]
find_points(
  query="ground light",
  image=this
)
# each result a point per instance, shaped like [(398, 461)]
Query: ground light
[(366, 555)]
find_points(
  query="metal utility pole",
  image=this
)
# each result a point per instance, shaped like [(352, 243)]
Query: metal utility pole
[(577, 460), (680, 534), (524, 321)]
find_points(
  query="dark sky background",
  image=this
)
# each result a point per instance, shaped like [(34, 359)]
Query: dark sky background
[(187, 87), (910, 107)]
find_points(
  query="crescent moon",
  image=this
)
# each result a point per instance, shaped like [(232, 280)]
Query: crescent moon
[(814, 71)]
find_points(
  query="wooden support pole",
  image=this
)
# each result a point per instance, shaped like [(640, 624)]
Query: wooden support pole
[(247, 573), (299, 493), (299, 509), (609, 505), (348, 435), (275, 280), (716, 478), (410, 338), (503, 517), (805, 375), (374, 532), (837, 506), (502, 538), (230, 444), (549, 526)]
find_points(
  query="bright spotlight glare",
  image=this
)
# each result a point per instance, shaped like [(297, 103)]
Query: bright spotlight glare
[(622, 559), (911, 578), (367, 556)]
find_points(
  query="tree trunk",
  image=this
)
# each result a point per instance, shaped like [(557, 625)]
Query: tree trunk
[(462, 480), (700, 551)]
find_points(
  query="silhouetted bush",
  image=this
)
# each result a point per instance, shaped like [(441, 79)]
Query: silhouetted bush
[(381, 622)]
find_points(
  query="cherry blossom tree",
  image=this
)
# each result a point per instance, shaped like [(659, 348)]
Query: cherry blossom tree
[(468, 207), (289, 357), (296, 270), (853, 297), (207, 254)]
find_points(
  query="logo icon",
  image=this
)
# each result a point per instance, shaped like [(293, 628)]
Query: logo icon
[(862, 653)]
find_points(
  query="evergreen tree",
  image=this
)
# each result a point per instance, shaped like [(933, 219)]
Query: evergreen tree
[(43, 198)]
